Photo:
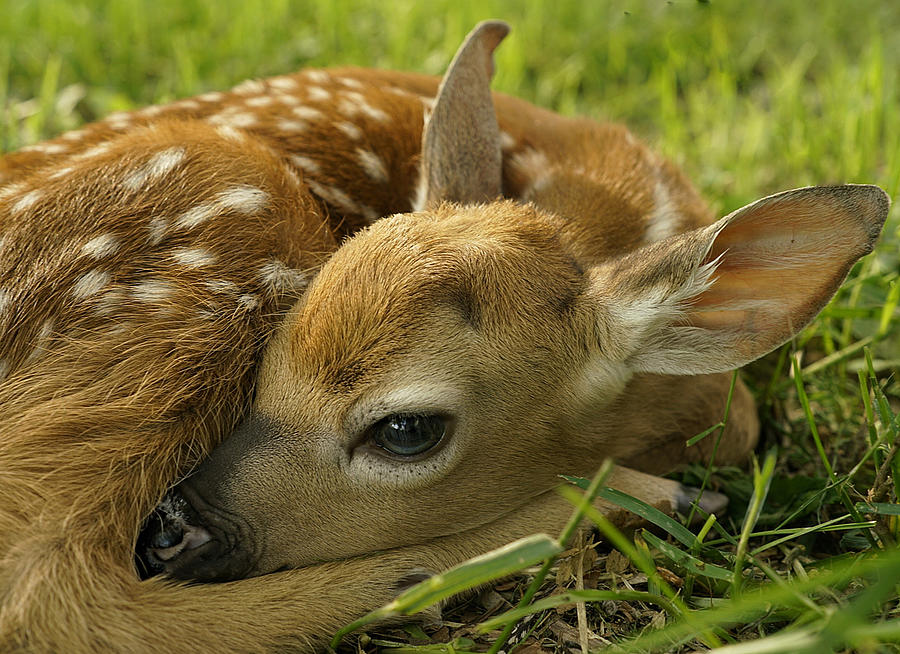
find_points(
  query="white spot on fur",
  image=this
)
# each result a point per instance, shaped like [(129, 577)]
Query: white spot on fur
[(152, 291), (663, 220), (355, 103), (287, 99), (308, 113), (74, 135), (11, 189), (121, 328), (349, 129), (306, 164), (5, 299), (241, 119), (157, 228), (248, 302), (292, 175), (243, 199), (250, 87), (95, 151), (317, 76), (259, 101), (283, 83), (61, 172), (212, 96), (230, 133), (187, 104), (279, 278), (117, 115), (507, 142), (100, 246), (221, 286), (26, 201), (396, 90), (292, 125), (152, 110), (193, 257), (46, 148), (373, 165), (350, 82), (318, 94), (157, 167), (336, 197), (196, 215), (90, 283)]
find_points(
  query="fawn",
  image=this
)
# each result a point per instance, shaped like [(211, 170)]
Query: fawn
[(173, 299)]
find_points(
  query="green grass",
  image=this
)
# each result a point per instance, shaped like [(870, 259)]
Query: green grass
[(749, 99)]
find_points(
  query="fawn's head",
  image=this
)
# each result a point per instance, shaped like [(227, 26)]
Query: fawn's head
[(445, 366)]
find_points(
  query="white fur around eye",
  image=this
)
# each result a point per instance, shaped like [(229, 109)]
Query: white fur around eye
[(372, 469), (368, 466)]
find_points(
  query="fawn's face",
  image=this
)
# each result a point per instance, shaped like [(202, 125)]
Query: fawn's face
[(414, 392)]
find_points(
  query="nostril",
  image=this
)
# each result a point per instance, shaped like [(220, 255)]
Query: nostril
[(169, 536), (173, 537)]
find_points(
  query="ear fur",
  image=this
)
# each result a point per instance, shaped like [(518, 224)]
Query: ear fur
[(719, 297), (461, 158)]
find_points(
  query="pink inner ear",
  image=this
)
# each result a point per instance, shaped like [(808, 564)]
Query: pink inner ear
[(781, 261)]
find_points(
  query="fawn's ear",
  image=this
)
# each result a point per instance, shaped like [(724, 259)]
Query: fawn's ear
[(716, 298), (461, 159)]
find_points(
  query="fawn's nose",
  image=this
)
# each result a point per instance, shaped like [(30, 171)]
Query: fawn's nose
[(186, 538), (176, 540), (172, 535)]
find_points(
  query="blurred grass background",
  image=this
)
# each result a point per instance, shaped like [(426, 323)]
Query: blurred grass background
[(748, 98)]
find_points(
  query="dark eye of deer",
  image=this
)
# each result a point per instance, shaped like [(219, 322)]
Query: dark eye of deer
[(407, 435)]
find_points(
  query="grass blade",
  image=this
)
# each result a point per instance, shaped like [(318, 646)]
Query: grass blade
[(494, 565), (685, 560)]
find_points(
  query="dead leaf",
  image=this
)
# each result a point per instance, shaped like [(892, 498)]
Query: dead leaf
[(566, 632), (670, 577), (616, 562)]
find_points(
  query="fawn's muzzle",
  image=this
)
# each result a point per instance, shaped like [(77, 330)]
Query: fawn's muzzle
[(186, 538)]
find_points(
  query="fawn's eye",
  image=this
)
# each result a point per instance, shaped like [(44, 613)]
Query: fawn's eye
[(408, 435)]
